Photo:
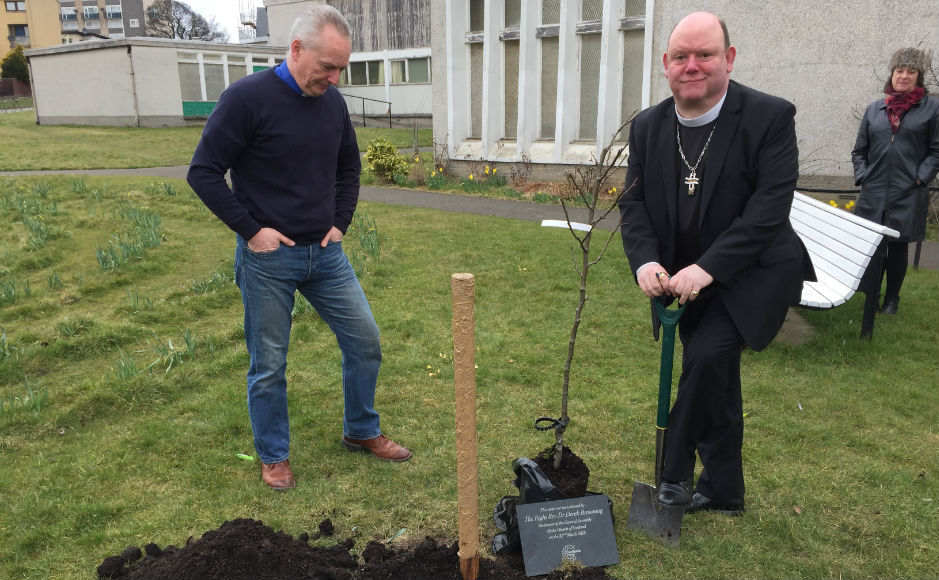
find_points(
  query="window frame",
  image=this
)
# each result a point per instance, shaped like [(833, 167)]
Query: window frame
[(407, 70), (345, 77)]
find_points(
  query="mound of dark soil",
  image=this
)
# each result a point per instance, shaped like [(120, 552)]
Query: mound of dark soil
[(247, 549), (571, 477)]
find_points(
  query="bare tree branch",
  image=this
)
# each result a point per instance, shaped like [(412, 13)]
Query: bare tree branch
[(175, 19), (589, 185)]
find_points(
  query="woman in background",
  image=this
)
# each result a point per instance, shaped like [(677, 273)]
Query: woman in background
[(895, 157)]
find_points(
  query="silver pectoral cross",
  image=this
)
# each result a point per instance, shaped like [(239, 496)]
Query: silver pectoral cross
[(691, 181)]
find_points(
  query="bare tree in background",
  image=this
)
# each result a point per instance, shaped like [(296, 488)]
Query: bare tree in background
[(175, 19)]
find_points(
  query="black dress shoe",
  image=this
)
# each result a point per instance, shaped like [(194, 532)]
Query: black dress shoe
[(700, 503), (674, 494), (891, 303)]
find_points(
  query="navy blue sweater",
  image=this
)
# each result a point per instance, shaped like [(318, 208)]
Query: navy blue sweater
[(294, 160)]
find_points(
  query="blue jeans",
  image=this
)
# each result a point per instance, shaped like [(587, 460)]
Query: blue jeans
[(322, 275)]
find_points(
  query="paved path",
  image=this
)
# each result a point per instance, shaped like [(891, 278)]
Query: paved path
[(522, 210)]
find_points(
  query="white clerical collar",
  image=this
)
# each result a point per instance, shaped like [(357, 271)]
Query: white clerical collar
[(702, 119)]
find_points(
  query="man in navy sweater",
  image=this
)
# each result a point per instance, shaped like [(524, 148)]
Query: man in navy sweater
[(286, 137)]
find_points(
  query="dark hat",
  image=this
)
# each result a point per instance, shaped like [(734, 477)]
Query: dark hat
[(911, 57)]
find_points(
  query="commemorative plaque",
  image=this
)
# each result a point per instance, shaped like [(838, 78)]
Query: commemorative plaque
[(578, 529)]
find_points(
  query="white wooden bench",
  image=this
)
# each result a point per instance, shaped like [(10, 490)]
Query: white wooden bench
[(843, 247)]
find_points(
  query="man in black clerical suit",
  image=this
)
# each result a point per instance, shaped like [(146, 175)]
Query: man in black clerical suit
[(705, 220)]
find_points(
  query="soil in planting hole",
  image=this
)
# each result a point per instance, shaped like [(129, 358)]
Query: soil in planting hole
[(570, 477), (248, 549)]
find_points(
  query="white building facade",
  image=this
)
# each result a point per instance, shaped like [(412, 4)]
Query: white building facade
[(144, 82), (550, 81), (390, 66)]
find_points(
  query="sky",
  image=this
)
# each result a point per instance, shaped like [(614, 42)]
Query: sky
[(225, 13)]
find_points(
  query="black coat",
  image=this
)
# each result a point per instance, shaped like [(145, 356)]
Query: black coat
[(886, 166), (748, 245)]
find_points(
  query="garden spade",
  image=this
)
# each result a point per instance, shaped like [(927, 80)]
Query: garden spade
[(646, 514)]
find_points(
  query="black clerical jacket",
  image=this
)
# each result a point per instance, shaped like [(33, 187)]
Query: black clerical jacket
[(747, 243)]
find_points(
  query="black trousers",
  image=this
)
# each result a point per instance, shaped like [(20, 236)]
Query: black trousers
[(895, 265), (707, 416)]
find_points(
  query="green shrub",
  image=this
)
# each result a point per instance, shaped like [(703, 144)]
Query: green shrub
[(437, 180), (383, 160), (14, 65)]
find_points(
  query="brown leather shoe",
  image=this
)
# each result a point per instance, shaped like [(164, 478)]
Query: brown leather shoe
[(382, 447), (278, 476)]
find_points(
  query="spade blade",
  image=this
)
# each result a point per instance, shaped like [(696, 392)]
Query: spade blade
[(658, 521)]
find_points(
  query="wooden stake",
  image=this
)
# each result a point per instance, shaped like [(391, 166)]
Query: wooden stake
[(464, 382)]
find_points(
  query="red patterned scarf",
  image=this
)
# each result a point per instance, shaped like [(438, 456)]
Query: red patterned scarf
[(899, 103)]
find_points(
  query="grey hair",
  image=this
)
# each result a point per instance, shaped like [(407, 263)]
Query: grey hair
[(310, 23)]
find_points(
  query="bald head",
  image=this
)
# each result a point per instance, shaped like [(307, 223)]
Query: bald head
[(698, 63), (704, 16)]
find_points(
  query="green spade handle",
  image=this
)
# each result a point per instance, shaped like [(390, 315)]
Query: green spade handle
[(669, 320)]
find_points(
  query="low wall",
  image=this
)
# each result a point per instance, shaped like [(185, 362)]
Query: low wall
[(15, 88)]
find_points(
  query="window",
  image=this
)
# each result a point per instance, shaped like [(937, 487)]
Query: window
[(357, 74), (189, 84), (371, 72), (214, 81), (376, 72), (68, 14), (20, 32), (93, 24), (511, 89), (513, 13), (69, 25), (633, 46), (477, 11), (399, 72), (236, 68), (419, 70), (591, 10), (476, 90), (412, 70), (113, 11), (16, 5), (90, 12), (551, 12), (589, 85), (549, 85), (203, 76), (133, 23)]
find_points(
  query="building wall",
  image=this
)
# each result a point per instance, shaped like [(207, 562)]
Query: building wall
[(413, 100), (386, 24), (44, 24), (829, 58), (93, 86), (138, 81), (280, 17), (156, 73), (385, 30), (127, 20), (549, 86), (10, 18)]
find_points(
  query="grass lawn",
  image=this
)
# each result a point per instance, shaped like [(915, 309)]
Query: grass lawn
[(122, 371), (29, 147)]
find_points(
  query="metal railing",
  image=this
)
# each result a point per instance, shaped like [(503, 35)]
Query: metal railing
[(15, 103), (363, 99)]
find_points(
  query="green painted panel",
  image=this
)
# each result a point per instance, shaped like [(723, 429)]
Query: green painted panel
[(259, 68), (197, 108)]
